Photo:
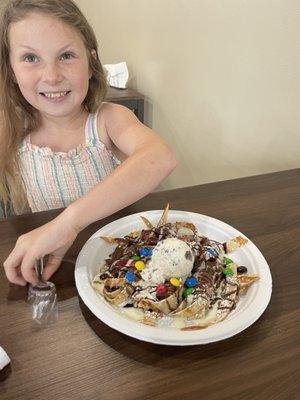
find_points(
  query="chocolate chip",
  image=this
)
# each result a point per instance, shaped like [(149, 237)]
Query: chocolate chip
[(242, 270)]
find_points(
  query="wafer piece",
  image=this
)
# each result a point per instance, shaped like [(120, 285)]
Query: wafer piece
[(150, 318), (245, 281), (164, 218), (196, 309), (235, 243), (135, 234), (114, 290), (197, 327), (147, 222), (164, 306), (109, 240), (98, 285)]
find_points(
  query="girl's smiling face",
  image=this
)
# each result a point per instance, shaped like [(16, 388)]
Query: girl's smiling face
[(50, 63)]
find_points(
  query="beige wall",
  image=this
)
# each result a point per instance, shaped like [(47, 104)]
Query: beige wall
[(221, 79)]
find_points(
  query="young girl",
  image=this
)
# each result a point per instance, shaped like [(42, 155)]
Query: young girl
[(61, 145)]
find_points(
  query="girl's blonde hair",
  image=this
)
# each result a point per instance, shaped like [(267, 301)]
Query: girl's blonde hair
[(18, 117)]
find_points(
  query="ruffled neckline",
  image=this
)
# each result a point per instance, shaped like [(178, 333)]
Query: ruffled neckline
[(48, 152)]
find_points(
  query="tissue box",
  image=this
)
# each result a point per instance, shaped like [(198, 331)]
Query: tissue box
[(116, 74)]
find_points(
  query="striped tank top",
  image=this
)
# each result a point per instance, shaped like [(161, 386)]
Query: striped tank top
[(56, 179)]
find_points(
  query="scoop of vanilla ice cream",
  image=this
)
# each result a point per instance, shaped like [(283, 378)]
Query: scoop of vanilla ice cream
[(171, 257)]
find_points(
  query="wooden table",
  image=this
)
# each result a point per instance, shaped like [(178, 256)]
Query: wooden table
[(129, 98), (81, 358)]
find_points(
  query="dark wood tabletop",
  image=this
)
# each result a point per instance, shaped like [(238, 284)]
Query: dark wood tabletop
[(81, 358)]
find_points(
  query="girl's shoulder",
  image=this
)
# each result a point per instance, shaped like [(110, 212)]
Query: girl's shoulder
[(111, 113), (116, 124), (115, 117)]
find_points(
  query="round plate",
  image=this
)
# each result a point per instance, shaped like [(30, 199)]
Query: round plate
[(249, 307)]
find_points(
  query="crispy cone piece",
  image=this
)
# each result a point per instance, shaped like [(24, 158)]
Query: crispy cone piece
[(185, 229), (235, 243), (114, 290), (116, 297), (164, 218), (196, 309), (245, 281), (165, 306), (109, 240), (150, 318), (147, 222), (197, 327), (188, 225), (98, 284), (135, 234), (222, 314)]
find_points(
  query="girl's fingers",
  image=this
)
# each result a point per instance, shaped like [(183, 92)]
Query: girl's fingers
[(28, 269), (14, 277), (52, 265), (11, 267)]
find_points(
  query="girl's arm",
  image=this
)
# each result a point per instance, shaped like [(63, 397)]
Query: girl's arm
[(149, 160)]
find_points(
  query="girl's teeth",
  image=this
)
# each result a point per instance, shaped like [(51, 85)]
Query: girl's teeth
[(55, 95)]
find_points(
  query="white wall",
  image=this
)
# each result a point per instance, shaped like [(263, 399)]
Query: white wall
[(221, 79)]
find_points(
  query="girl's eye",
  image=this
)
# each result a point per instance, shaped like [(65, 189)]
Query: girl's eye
[(31, 58), (66, 56)]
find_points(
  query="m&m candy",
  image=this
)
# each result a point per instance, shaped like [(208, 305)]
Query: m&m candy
[(129, 276), (191, 282), (212, 252), (187, 292), (227, 261), (228, 271), (161, 290), (145, 252), (175, 282), (139, 265), (135, 258)]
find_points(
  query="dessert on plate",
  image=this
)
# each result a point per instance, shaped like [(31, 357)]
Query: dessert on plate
[(170, 275)]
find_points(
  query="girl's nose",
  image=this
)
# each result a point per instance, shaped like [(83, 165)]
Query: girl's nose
[(52, 74)]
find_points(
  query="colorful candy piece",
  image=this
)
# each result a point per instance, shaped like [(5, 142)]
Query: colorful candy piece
[(129, 276), (187, 292), (135, 257), (227, 261), (228, 271), (139, 265), (161, 290), (144, 252), (191, 282), (212, 252), (175, 282)]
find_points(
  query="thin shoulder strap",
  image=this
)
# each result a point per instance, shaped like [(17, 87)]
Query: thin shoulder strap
[(91, 128)]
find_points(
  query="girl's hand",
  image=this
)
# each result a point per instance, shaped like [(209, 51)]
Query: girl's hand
[(53, 239)]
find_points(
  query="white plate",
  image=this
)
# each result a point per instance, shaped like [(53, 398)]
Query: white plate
[(249, 307)]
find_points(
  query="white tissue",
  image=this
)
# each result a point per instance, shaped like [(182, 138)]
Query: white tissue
[(4, 359), (116, 74)]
